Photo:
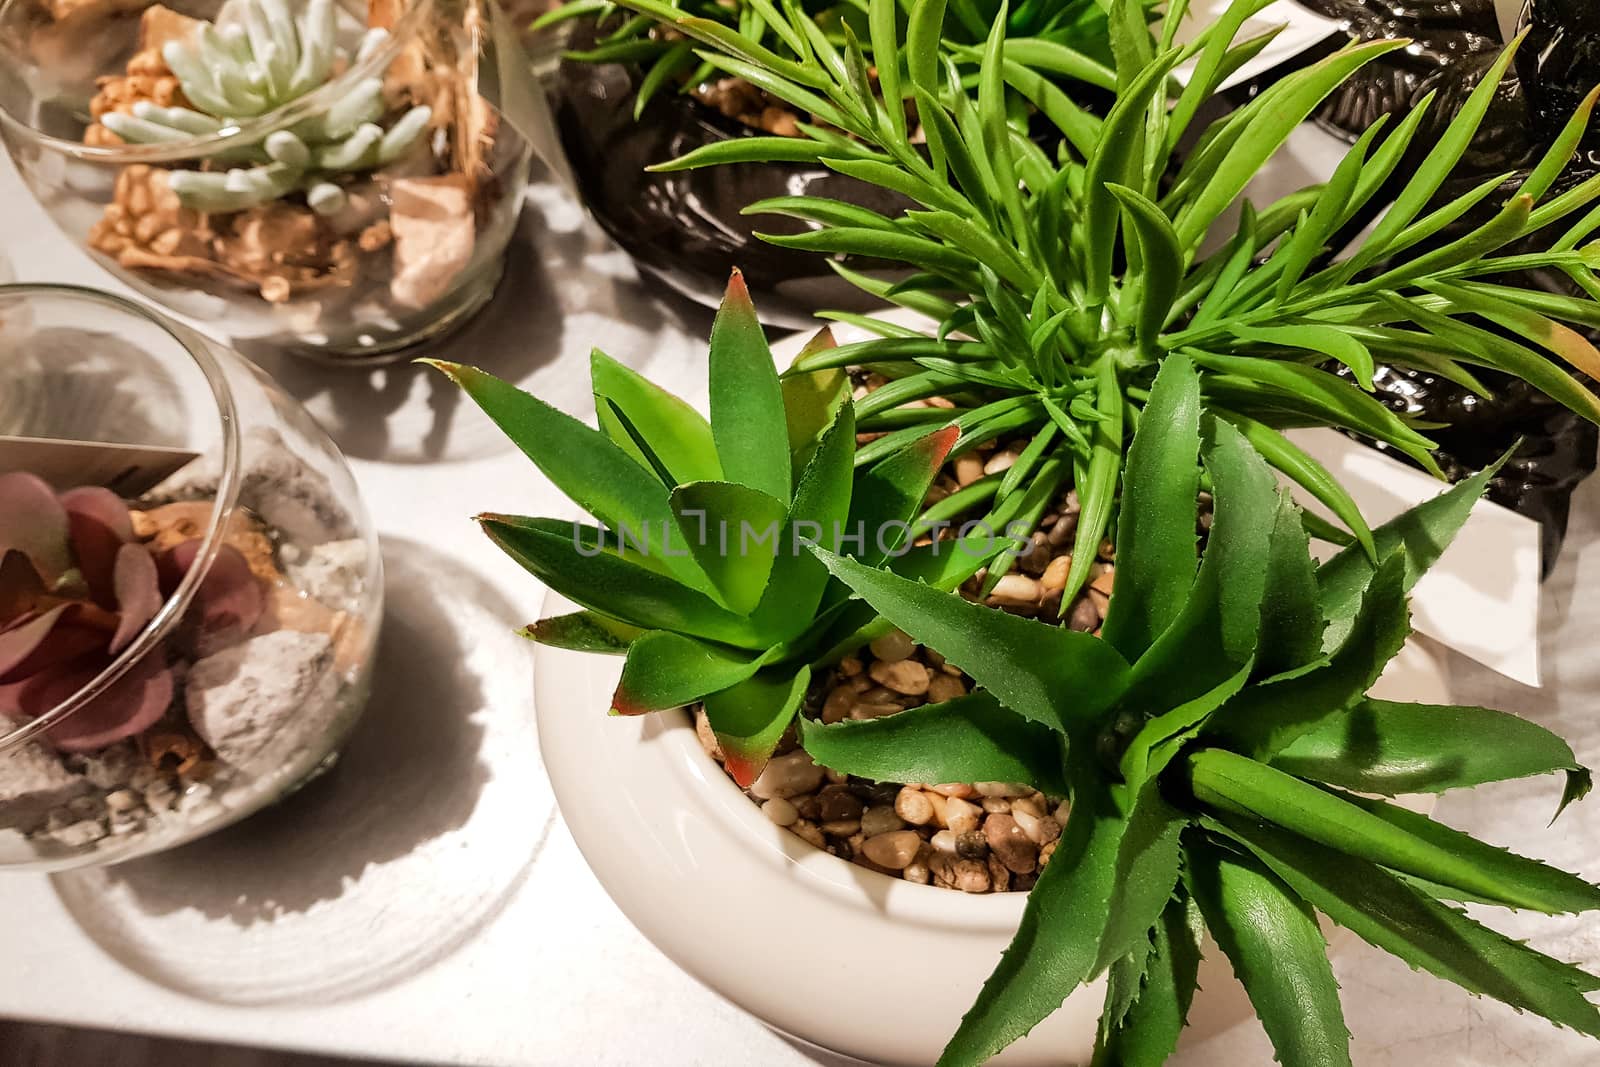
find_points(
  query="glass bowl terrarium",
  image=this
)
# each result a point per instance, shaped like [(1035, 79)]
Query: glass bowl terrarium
[(190, 591), (332, 176)]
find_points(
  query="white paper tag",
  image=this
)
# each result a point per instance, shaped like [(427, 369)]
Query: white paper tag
[(126, 470), (1482, 597), (1302, 30)]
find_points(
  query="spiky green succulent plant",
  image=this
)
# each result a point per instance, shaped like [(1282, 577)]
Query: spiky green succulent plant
[(700, 571), (1072, 33), (255, 58), (1063, 270), (1223, 757)]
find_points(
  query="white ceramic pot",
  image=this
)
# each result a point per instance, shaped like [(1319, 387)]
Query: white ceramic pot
[(843, 958)]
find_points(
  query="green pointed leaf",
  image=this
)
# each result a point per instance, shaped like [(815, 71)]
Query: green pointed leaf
[(1215, 632), (1382, 747), (1056, 944), (1310, 337), (969, 739), (746, 402), (816, 517), (1301, 93), (583, 631), (811, 400), (1381, 833), (1303, 469), (1157, 534), (1392, 916), (1278, 953), (888, 495), (1162, 260), (1146, 874), (666, 670), (676, 432), (1424, 531), (1145, 1032), (1267, 717), (727, 528), (1497, 876), (1291, 622), (1097, 487), (1050, 675), (612, 586), (584, 463), (750, 717)]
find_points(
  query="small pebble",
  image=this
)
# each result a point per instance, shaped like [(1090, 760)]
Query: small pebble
[(1016, 589), (996, 804), (842, 827), (1063, 530), (906, 676), (999, 877), (1085, 617), (917, 871), (960, 790), (808, 831), (1001, 789), (839, 805), (972, 845), (894, 850), (943, 687), (944, 841), (971, 876), (893, 646), (880, 820), (780, 811), (1001, 461), (913, 806), (837, 707), (1033, 804), (1054, 579), (788, 776), (1046, 852), (960, 816), (1009, 842), (969, 468)]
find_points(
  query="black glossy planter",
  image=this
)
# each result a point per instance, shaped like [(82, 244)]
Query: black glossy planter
[(1455, 43), (686, 227)]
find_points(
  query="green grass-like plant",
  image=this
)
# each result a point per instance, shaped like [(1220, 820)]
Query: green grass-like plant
[(1223, 760), (1076, 27), (1061, 279)]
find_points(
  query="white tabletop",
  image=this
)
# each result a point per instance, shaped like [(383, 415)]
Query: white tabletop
[(424, 903)]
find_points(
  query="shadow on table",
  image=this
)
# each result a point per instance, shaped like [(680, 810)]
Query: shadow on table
[(412, 772), (403, 413)]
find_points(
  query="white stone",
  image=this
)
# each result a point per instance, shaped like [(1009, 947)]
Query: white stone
[(434, 232), (254, 702), (333, 572), (33, 783), (787, 776)]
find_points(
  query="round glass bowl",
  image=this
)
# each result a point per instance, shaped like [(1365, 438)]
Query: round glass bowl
[(352, 221), (190, 589)]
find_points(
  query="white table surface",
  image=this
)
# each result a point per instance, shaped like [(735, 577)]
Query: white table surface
[(425, 904)]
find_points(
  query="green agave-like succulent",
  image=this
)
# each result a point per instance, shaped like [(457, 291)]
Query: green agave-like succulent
[(256, 58), (1071, 33), (701, 572), (1062, 276), (1222, 757)]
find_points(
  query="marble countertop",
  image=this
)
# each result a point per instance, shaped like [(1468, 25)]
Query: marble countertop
[(424, 902)]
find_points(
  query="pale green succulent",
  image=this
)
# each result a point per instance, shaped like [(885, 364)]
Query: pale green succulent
[(257, 57)]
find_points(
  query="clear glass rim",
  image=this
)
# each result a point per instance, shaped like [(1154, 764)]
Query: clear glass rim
[(249, 131), (198, 349)]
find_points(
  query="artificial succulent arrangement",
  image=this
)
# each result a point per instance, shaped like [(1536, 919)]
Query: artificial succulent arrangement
[(1225, 764), (1068, 36), (77, 587), (1060, 278), (701, 573), (1217, 740), (256, 57)]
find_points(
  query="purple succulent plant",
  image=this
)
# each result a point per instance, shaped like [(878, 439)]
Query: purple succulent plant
[(77, 586)]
